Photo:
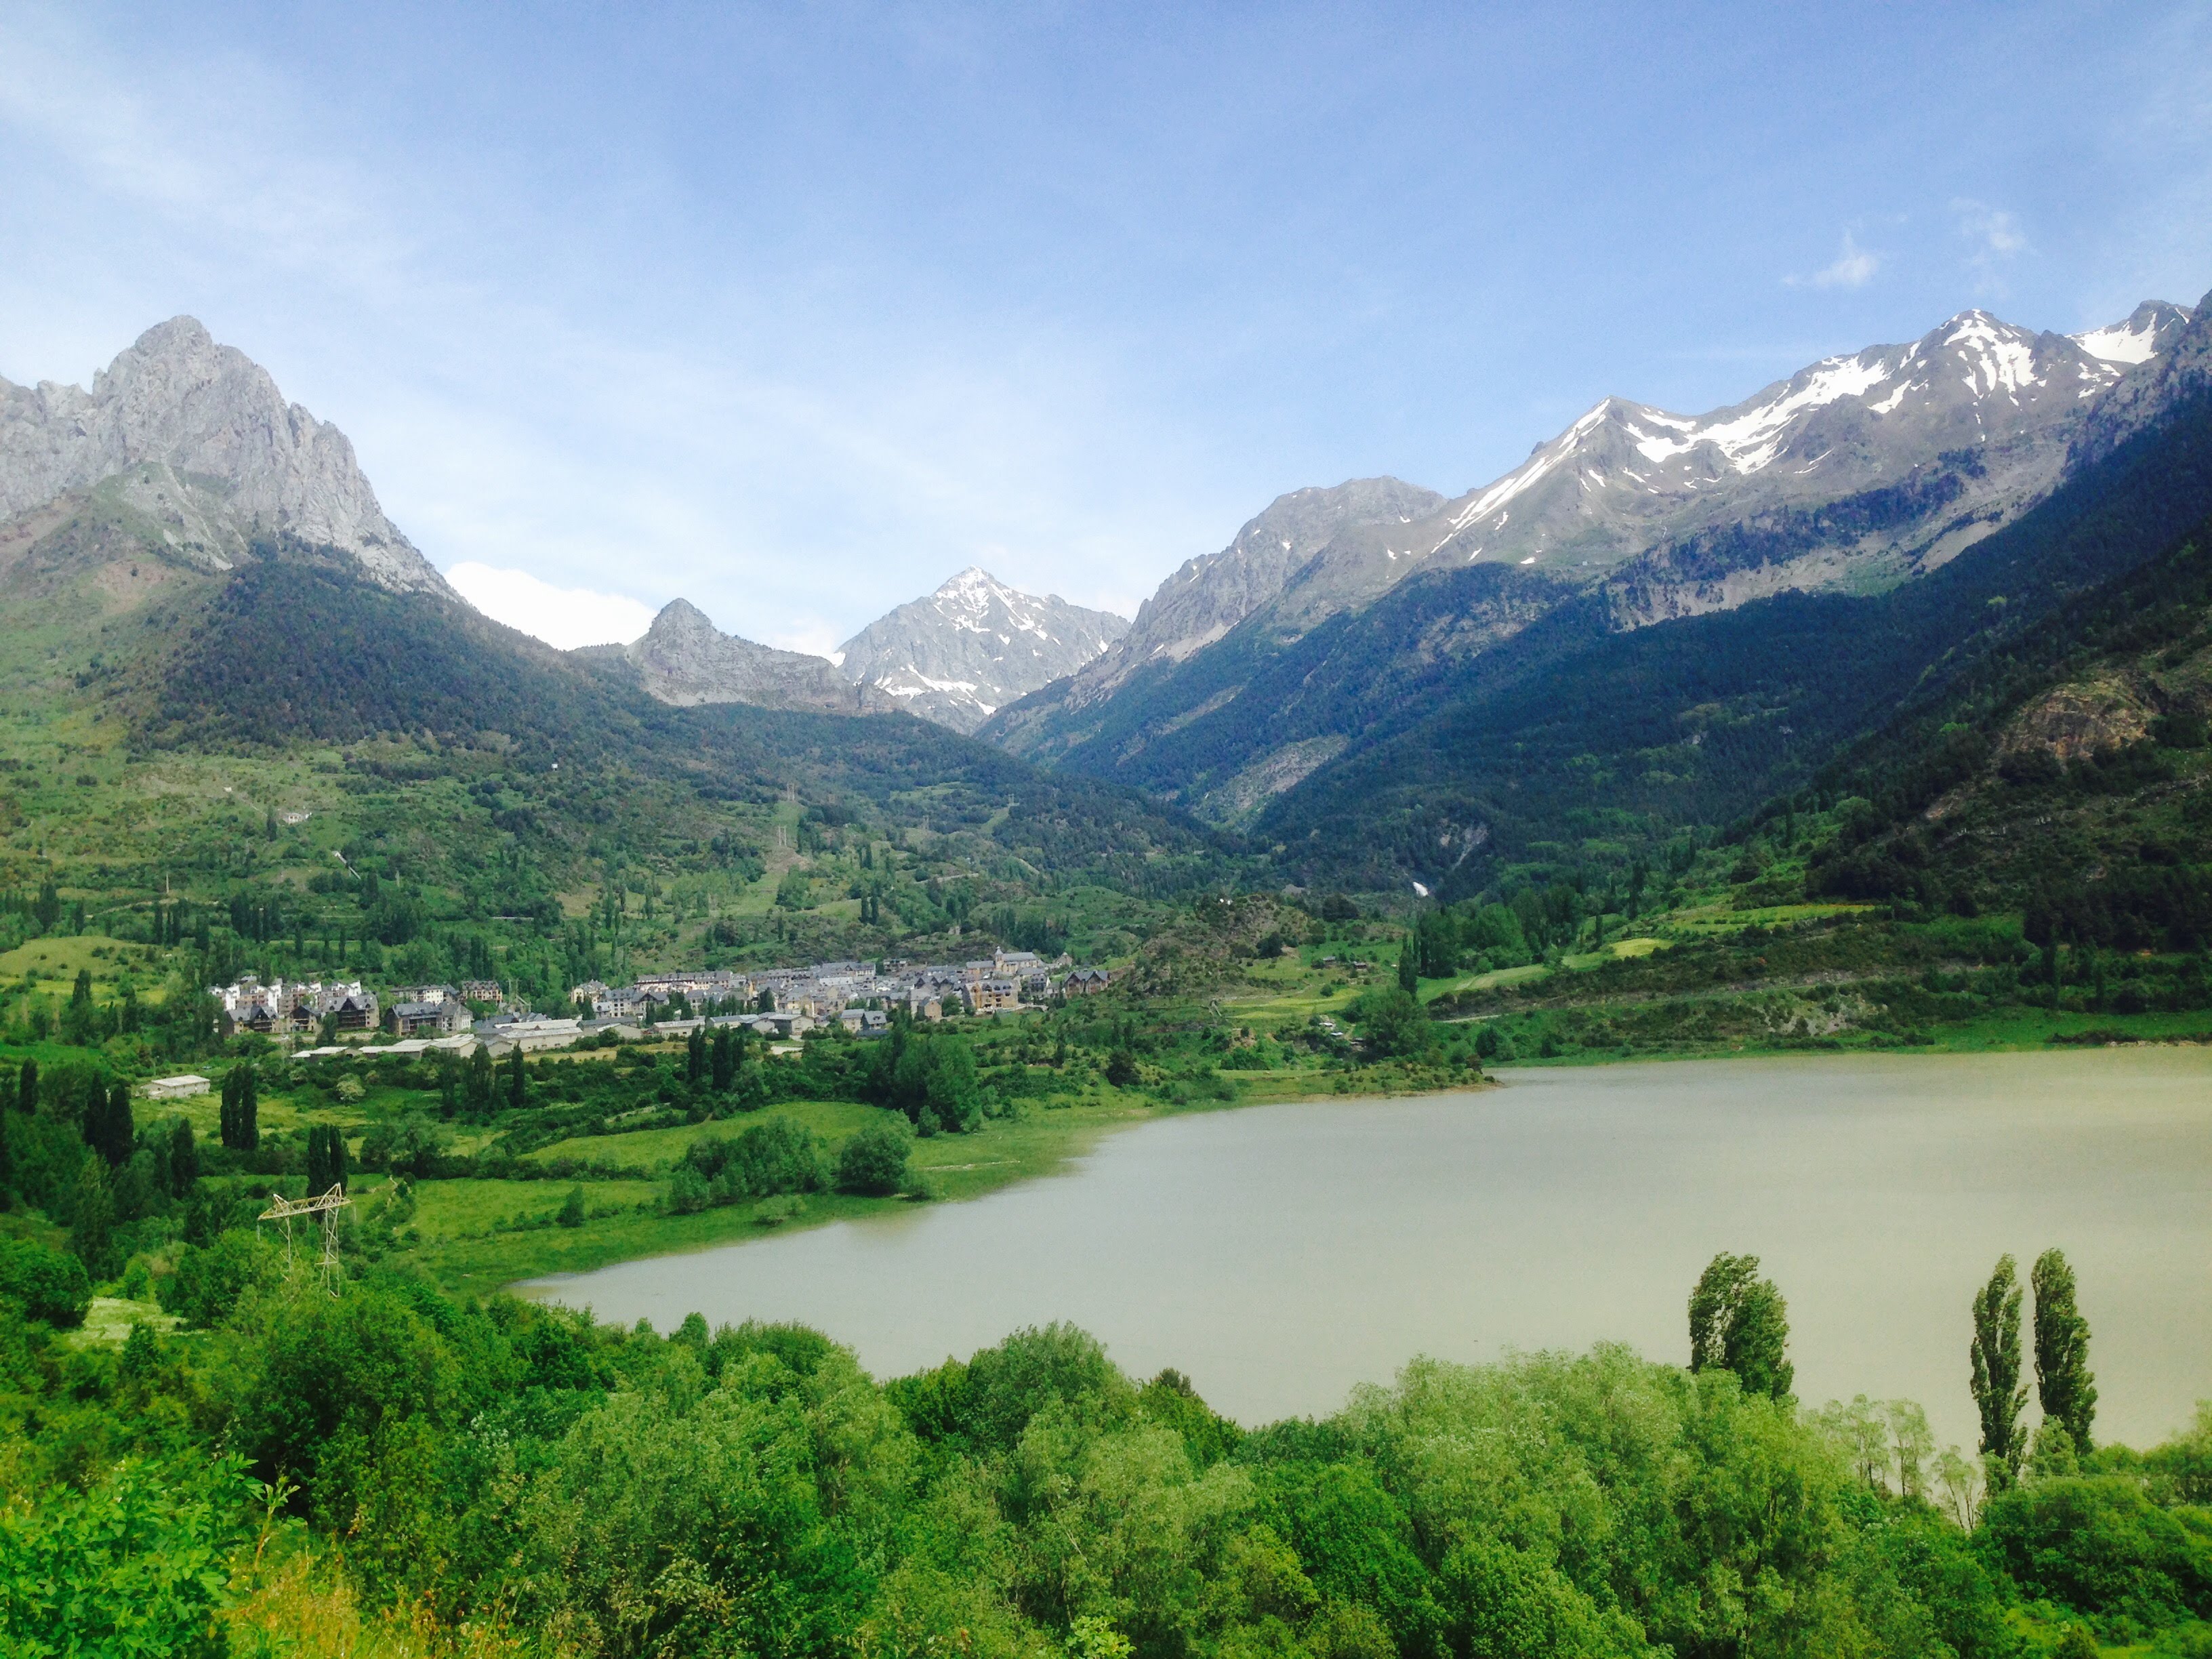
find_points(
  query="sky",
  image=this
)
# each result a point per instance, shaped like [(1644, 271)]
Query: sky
[(797, 311)]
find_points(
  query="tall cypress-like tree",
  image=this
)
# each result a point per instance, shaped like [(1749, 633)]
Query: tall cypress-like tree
[(92, 1229), (184, 1159), (1409, 971), (26, 1087), (482, 1086), (121, 1130), (723, 1067), (518, 1091), (2063, 1385), (326, 1158), (694, 1057), (1739, 1322), (1999, 1394)]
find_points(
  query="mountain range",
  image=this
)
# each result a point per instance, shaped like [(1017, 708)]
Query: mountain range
[(1300, 643), (189, 444), (1656, 620)]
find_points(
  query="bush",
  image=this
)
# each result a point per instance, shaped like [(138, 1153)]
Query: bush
[(134, 1567), (2099, 1545), (688, 1192), (874, 1163), (50, 1285), (209, 1283), (1394, 1023), (777, 1155)]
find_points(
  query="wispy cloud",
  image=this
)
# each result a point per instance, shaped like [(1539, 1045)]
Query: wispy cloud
[(1993, 238), (1855, 267)]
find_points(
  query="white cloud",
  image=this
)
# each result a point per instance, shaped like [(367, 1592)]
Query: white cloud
[(561, 617), (1995, 233), (1854, 268)]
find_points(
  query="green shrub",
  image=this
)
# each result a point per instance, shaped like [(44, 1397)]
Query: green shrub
[(209, 1283), (2099, 1545), (874, 1163), (50, 1285), (133, 1567)]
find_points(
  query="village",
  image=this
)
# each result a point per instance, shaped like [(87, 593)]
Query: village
[(325, 1019)]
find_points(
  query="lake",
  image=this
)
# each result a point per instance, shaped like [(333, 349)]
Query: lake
[(1279, 1255)]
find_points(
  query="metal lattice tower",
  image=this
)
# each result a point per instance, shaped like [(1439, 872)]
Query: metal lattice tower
[(327, 1207)]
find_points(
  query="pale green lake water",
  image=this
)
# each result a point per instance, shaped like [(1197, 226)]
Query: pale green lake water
[(1279, 1255)]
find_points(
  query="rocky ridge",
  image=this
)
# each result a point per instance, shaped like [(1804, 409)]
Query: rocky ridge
[(685, 659), (1854, 472)]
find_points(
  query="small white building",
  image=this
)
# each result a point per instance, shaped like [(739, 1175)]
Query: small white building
[(531, 1034), (189, 1086)]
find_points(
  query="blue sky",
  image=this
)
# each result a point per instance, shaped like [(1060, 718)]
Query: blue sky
[(797, 311)]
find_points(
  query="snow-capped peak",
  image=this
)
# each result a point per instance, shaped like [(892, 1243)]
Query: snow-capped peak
[(973, 645)]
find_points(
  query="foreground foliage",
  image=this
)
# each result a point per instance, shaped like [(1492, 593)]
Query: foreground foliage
[(399, 1470)]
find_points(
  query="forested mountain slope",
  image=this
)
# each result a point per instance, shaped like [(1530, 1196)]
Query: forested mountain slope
[(274, 734), (1545, 747), (1854, 476)]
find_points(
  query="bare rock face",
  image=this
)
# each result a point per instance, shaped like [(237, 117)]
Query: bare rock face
[(205, 445), (973, 646), (685, 659)]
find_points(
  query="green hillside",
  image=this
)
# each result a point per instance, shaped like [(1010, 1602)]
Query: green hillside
[(295, 768)]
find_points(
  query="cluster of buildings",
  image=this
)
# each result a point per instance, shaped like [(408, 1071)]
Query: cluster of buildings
[(780, 1003), (1005, 981), (282, 1007)]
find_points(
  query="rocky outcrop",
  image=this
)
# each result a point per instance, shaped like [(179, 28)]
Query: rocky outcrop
[(974, 645), (685, 659), (199, 433)]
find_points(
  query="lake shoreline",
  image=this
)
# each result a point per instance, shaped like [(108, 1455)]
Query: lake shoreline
[(652, 1238), (1565, 1206)]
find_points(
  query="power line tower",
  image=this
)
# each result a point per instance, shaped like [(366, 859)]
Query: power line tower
[(327, 1207)]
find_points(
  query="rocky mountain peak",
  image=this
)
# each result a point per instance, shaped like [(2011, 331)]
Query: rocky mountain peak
[(974, 644), (232, 458), (1206, 597), (685, 659)]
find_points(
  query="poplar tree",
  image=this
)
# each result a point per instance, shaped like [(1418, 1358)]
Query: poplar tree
[(184, 1159), (117, 1128), (1999, 1394), (26, 1087), (694, 1057), (1740, 1322), (1409, 972), (326, 1158), (93, 1223), (482, 1086), (2063, 1385), (517, 1088)]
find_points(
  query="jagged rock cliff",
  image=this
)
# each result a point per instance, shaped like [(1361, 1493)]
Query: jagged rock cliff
[(195, 441)]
